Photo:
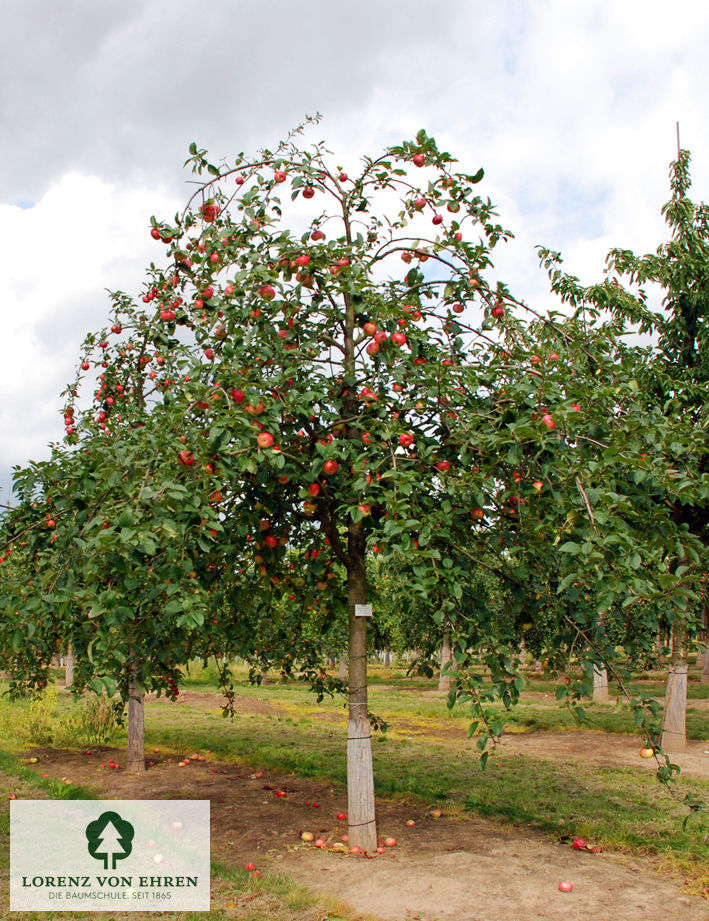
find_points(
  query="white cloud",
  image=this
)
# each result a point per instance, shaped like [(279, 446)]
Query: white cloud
[(82, 237)]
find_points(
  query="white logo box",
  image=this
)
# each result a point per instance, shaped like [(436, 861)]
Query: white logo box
[(109, 855)]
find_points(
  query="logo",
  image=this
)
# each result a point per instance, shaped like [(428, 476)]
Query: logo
[(110, 838)]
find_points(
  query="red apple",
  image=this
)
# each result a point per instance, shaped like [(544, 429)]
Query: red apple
[(647, 752), (578, 844), (437, 219), (317, 235), (548, 421), (267, 292), (237, 395), (398, 339), (186, 458), (280, 175), (444, 466), (419, 203), (330, 467), (457, 308), (498, 311), (370, 328), (313, 489), (419, 159), (390, 842), (250, 867), (565, 887), (264, 440), (308, 191), (405, 440)]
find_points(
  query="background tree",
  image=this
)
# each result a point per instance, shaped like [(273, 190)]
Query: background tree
[(673, 380)]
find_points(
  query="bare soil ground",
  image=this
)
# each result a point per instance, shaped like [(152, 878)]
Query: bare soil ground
[(453, 868)]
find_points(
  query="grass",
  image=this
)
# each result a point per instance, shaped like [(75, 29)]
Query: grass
[(426, 758)]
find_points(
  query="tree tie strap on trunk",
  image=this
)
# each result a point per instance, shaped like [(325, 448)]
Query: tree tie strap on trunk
[(360, 824), (358, 738)]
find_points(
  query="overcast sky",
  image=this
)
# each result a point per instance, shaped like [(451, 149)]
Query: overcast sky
[(569, 105)]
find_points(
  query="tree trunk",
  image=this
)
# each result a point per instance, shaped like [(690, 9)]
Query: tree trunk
[(674, 720), (135, 752), (343, 667), (600, 685), (360, 775), (387, 657), (705, 671), (69, 672), (446, 681), (701, 656)]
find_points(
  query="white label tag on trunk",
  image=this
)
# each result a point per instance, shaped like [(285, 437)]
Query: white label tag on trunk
[(363, 610)]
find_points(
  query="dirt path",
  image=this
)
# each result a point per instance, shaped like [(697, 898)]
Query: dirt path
[(460, 868)]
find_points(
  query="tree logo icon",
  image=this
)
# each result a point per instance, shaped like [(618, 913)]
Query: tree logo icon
[(110, 839)]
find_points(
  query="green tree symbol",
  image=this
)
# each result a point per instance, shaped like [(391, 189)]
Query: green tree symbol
[(110, 839)]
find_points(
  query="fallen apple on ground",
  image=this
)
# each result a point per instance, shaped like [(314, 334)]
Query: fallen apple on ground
[(565, 887)]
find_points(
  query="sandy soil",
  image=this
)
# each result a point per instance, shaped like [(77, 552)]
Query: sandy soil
[(453, 868)]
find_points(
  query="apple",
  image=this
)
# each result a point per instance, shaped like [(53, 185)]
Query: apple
[(576, 407), (419, 203), (271, 541), (390, 842), (380, 336), (330, 467), (186, 458), (477, 513), (410, 823), (647, 752), (457, 308), (437, 219), (267, 292), (355, 849), (405, 440), (250, 867), (341, 816), (398, 339), (498, 311), (209, 354), (444, 466), (303, 259), (210, 212), (372, 348), (419, 159), (458, 236), (281, 794), (548, 421), (370, 328), (537, 484), (435, 813), (264, 440), (453, 207), (381, 850), (280, 175), (366, 438), (155, 234), (317, 235), (307, 836), (238, 396), (565, 887), (578, 844), (85, 366), (365, 509), (308, 191)]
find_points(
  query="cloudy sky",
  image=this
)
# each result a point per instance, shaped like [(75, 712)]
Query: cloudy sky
[(569, 106)]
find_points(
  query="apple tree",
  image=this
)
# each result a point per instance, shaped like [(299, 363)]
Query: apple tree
[(672, 381)]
